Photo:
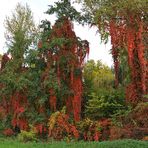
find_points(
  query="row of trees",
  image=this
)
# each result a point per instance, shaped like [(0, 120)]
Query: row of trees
[(40, 78), (44, 71)]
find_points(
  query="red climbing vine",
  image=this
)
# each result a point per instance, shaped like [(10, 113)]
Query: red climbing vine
[(128, 34), (67, 58)]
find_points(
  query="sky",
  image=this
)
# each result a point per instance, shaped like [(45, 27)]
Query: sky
[(98, 51)]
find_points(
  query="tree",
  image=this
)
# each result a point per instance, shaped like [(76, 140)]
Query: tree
[(98, 77), (14, 78), (125, 21), (65, 53), (0, 60), (101, 99), (20, 32)]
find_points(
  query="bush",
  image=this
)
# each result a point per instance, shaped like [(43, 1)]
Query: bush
[(94, 130), (89, 130), (30, 135), (133, 123), (60, 127), (104, 106), (8, 132)]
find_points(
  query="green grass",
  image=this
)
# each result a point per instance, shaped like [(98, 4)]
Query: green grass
[(107, 144)]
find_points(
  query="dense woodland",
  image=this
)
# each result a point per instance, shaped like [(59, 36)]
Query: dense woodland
[(48, 90)]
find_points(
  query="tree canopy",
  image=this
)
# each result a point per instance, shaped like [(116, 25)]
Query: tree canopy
[(20, 31)]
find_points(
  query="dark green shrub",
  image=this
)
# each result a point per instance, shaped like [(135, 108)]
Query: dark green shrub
[(104, 105)]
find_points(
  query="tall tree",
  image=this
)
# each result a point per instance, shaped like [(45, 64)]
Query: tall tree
[(0, 60), (14, 81), (98, 77), (65, 53), (126, 22), (20, 32)]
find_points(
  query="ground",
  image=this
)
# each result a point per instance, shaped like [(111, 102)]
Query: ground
[(5, 143)]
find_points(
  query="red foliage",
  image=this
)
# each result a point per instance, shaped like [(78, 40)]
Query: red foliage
[(2, 113), (105, 125), (76, 102), (59, 127), (90, 130), (40, 44), (8, 132), (21, 123), (74, 52), (116, 32), (105, 122), (52, 100), (40, 128), (17, 105), (4, 61), (134, 125), (145, 138), (141, 56), (74, 55), (137, 62), (97, 136), (130, 35)]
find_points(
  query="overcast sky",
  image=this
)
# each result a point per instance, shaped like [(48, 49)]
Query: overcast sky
[(98, 51)]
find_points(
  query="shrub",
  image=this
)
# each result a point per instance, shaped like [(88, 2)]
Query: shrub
[(60, 127), (30, 135), (134, 123), (89, 130), (104, 106), (139, 114), (8, 132)]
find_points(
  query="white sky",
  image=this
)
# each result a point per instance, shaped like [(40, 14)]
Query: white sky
[(98, 51)]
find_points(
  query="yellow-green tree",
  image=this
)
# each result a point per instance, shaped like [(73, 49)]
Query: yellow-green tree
[(20, 32), (98, 77)]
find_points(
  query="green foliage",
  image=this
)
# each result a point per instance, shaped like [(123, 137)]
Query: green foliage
[(124, 71), (121, 114), (99, 91), (4, 122), (102, 100), (26, 136), (131, 123), (105, 11), (89, 126), (64, 8), (102, 11), (141, 106), (98, 77), (135, 117), (13, 82), (20, 32), (104, 106)]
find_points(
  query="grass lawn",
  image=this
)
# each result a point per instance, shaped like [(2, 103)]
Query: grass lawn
[(114, 144)]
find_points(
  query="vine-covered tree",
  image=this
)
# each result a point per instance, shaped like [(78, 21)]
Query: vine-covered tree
[(36, 83), (64, 53), (126, 22), (20, 33)]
